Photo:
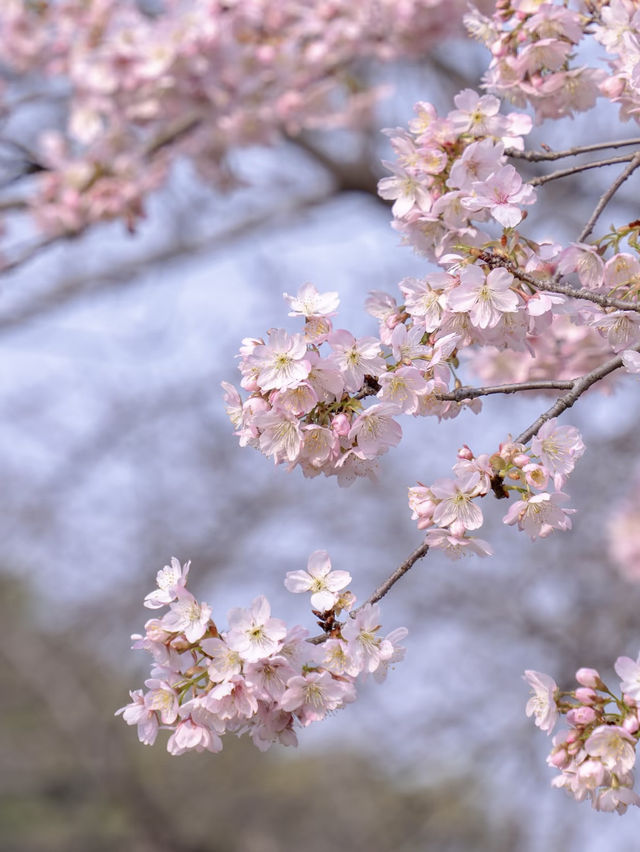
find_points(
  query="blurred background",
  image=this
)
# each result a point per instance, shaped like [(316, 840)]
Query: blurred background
[(116, 454)]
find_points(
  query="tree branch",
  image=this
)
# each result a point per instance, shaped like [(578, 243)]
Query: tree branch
[(472, 393), (496, 260), (580, 385), (582, 167), (400, 571), (539, 156), (607, 196), (383, 588)]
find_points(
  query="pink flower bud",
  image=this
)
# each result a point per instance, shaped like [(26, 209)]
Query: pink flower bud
[(581, 716), (559, 759), (465, 453), (521, 459), (340, 424), (628, 700), (589, 677), (586, 695), (631, 724)]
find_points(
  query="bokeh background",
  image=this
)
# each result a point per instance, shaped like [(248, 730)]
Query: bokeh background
[(116, 454)]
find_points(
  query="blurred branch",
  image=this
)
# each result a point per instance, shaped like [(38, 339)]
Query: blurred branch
[(351, 176), (69, 289)]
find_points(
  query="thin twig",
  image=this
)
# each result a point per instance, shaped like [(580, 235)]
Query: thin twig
[(548, 285), (13, 204), (539, 156), (400, 571), (382, 589), (473, 393), (607, 196), (30, 252), (173, 133), (582, 167)]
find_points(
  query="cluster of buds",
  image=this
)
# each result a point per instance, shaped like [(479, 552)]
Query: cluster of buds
[(597, 753), (258, 676), (447, 508)]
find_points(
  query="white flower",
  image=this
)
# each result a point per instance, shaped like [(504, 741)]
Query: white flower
[(320, 580), (542, 703)]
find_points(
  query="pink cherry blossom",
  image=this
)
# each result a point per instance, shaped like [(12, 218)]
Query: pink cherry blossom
[(253, 633), (320, 580), (542, 704)]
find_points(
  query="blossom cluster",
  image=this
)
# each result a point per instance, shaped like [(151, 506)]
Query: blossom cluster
[(447, 508), (194, 78), (307, 390), (451, 180), (597, 753), (258, 676), (535, 49)]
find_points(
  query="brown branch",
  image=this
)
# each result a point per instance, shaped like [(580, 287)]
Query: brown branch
[(400, 571), (383, 588), (580, 385), (127, 273), (539, 156), (607, 196), (172, 133), (10, 204), (472, 393), (582, 167), (551, 286), (29, 253)]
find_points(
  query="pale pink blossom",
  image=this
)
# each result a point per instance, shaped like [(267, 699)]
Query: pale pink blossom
[(313, 695), (187, 616), (356, 358), (559, 447), (320, 580), (375, 430), (629, 673), (485, 298), (455, 502), (542, 703), (253, 633), (282, 362), (631, 360), (168, 579), (614, 746), (162, 699), (310, 303), (368, 649), (457, 546), (500, 194), (137, 713)]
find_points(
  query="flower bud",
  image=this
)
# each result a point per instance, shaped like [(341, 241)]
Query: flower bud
[(340, 424), (559, 759), (631, 724), (465, 453), (589, 677), (586, 695), (581, 716)]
